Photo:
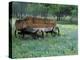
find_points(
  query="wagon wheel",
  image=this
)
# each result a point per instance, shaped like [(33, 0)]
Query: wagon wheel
[(56, 31), (17, 34), (42, 33), (35, 35)]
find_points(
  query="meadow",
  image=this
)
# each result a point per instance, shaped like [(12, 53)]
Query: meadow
[(65, 44)]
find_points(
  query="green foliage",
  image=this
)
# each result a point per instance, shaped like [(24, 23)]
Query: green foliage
[(22, 9), (39, 9), (66, 44)]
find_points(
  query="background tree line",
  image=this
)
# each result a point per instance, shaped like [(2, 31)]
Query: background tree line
[(58, 12)]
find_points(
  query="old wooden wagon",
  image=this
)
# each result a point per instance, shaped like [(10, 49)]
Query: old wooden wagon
[(34, 26)]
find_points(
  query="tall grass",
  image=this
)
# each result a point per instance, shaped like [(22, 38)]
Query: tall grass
[(66, 44)]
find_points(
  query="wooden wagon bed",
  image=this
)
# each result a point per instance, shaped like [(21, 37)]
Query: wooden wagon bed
[(36, 23), (33, 24)]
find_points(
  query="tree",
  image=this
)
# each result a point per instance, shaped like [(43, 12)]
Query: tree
[(22, 9)]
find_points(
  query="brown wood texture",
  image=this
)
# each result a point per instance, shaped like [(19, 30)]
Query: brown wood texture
[(34, 22)]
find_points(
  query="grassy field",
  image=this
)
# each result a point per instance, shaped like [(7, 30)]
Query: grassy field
[(66, 44)]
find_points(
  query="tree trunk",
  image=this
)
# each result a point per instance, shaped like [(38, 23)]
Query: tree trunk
[(58, 17)]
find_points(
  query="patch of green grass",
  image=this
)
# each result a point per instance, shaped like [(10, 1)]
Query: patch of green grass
[(66, 44)]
